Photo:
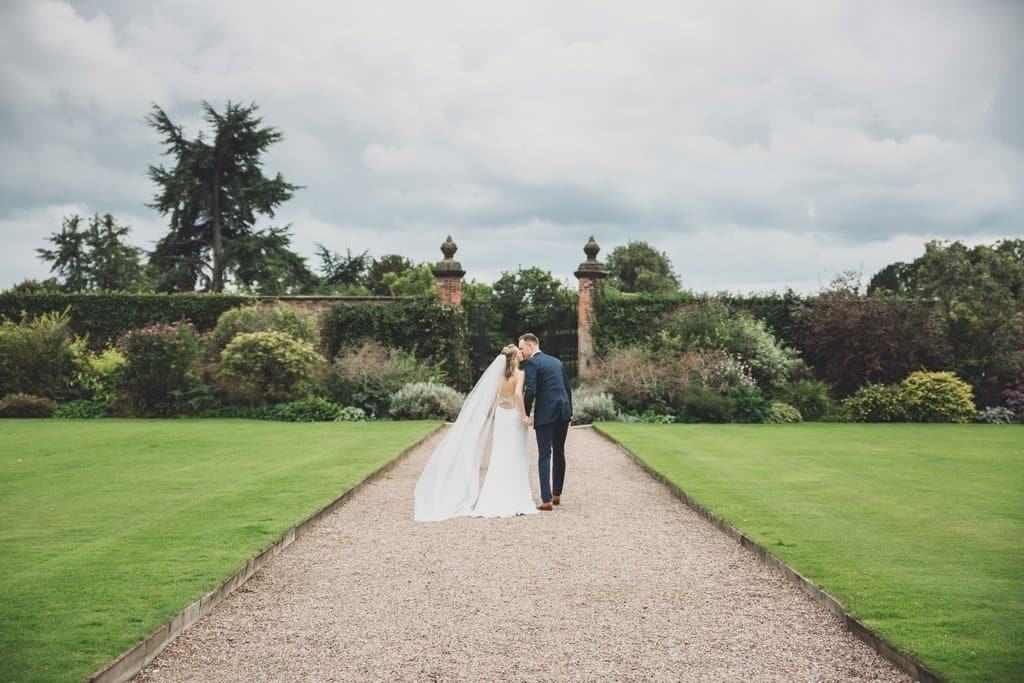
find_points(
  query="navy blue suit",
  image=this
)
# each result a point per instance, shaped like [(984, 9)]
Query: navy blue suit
[(548, 397)]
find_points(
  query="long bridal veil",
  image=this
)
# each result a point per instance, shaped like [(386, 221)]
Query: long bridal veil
[(450, 481)]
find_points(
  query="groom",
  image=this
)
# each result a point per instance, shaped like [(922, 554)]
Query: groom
[(548, 383)]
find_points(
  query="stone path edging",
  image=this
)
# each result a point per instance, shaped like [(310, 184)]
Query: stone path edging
[(905, 662), (132, 661)]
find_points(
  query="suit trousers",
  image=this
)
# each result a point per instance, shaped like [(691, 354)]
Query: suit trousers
[(551, 442)]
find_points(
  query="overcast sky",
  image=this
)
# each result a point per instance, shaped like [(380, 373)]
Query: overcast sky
[(761, 145)]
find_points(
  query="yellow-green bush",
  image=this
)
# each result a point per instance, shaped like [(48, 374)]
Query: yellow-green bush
[(876, 403), (937, 397), (99, 374), (271, 366), (258, 318)]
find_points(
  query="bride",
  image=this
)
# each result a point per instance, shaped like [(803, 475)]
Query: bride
[(450, 483)]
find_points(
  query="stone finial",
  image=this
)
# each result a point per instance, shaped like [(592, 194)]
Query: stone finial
[(448, 266), (448, 248), (592, 268)]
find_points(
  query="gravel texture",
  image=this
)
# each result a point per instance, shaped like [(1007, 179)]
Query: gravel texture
[(621, 582)]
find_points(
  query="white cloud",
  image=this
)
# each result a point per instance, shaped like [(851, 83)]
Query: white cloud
[(521, 128)]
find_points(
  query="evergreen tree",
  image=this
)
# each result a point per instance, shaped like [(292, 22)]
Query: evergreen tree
[(95, 258), (213, 194)]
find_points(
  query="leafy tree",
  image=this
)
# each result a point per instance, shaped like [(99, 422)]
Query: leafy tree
[(95, 258), (418, 281), (267, 265), (213, 194), (979, 292), (379, 267), (639, 267), (32, 286), (851, 340), (524, 299), (342, 274)]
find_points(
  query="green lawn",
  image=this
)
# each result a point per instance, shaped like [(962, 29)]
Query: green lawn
[(917, 529), (110, 527)]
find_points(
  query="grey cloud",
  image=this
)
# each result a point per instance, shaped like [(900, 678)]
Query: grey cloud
[(857, 127)]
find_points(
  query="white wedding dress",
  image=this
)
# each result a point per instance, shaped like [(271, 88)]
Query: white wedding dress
[(506, 490), (450, 483)]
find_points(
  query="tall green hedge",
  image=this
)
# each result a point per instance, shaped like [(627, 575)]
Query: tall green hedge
[(425, 327), (102, 316), (627, 320)]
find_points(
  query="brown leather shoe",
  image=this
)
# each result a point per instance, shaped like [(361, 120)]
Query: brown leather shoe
[(555, 500), (545, 506)]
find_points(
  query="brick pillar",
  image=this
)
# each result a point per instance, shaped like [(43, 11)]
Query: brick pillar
[(591, 275), (448, 275)]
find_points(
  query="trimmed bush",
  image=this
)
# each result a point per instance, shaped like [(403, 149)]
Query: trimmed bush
[(39, 356), (260, 318), (26, 405), (367, 377), (995, 415), (426, 400), (781, 413), (311, 409), (937, 397), (271, 366), (81, 409), (103, 316), (876, 403), (160, 362), (592, 406)]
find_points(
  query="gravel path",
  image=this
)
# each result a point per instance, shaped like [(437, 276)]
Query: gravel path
[(621, 582)]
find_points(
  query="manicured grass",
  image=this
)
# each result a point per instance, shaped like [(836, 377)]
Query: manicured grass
[(917, 529), (110, 527)]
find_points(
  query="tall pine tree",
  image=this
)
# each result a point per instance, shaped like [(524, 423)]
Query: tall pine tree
[(213, 194)]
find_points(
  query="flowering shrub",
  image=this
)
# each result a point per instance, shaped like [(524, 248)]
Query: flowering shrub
[(876, 403), (781, 413), (368, 376), (997, 415), (640, 380), (351, 414), (426, 400), (717, 369), (260, 318), (38, 355), (710, 324), (270, 366), (160, 360), (937, 397), (26, 405), (589, 405)]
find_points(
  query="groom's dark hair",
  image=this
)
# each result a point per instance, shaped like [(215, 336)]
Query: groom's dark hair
[(530, 337)]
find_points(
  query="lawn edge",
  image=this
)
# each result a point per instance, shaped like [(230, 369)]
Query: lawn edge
[(134, 659), (883, 647)]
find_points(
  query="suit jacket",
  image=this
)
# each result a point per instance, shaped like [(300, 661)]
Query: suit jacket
[(547, 383)]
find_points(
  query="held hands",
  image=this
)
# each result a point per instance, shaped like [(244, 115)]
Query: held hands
[(527, 420)]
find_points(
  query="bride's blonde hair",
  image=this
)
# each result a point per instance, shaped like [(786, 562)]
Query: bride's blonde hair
[(511, 353)]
